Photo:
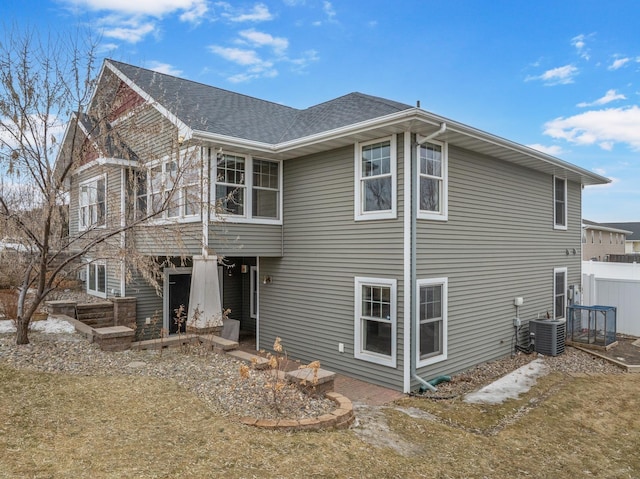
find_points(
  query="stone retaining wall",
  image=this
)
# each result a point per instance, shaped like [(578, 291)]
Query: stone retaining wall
[(340, 418)]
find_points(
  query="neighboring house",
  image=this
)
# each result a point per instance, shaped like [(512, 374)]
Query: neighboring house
[(599, 241), (632, 242), (383, 240)]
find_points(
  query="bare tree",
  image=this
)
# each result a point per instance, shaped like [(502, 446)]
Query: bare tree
[(45, 85)]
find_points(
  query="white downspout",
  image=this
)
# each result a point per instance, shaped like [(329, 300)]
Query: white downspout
[(413, 253), (443, 128)]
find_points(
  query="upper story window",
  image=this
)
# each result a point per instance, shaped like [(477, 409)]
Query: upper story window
[(170, 188), (375, 188), (231, 190), (432, 181), (375, 320), (92, 203), (248, 188), (560, 203)]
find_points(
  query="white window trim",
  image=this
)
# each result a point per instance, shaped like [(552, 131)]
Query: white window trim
[(163, 218), (359, 214), (444, 282), (92, 292), (566, 282), (247, 216), (443, 215), (359, 352), (253, 292), (95, 179), (557, 226)]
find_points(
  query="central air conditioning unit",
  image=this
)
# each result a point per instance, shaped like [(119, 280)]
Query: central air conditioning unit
[(549, 335)]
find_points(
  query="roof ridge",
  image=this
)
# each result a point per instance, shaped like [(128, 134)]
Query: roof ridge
[(206, 85)]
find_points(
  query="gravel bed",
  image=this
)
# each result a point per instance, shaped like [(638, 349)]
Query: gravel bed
[(571, 361), (215, 378)]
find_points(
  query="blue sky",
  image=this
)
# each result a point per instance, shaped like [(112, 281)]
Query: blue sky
[(561, 76)]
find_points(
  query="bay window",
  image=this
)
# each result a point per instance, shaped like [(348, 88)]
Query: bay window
[(170, 188), (247, 188)]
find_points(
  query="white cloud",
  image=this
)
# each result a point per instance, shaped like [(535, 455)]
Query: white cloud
[(553, 150), (259, 13), (132, 20), (604, 128), (608, 97), (237, 55), (579, 42), (619, 63), (557, 76), (329, 10), (260, 39), (165, 68), (155, 8), (131, 31)]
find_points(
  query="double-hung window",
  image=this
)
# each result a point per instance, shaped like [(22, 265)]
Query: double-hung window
[(231, 188), (92, 203), (266, 189), (432, 181), (559, 203), (248, 188), (559, 292), (375, 320), (375, 187), (170, 190), (97, 279), (432, 320)]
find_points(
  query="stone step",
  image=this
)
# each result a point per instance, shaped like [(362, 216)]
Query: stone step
[(217, 342), (161, 343), (256, 361)]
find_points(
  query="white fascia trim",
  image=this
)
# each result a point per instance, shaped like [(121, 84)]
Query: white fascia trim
[(453, 126), (183, 130), (407, 287), (398, 117), (107, 161)]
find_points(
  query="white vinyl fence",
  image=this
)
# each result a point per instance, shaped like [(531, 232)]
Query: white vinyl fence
[(614, 284)]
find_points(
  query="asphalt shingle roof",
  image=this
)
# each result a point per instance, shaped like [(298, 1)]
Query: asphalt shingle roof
[(629, 226), (214, 110)]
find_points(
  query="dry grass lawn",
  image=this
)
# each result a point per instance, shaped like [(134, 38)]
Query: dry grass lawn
[(59, 426)]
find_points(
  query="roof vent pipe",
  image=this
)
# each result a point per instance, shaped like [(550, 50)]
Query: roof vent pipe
[(443, 128)]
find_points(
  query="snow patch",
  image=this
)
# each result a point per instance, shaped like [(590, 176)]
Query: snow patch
[(511, 385), (51, 326)]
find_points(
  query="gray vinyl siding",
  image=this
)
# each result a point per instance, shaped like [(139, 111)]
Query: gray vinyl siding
[(148, 305), (169, 239), (234, 239), (310, 301), (498, 243)]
